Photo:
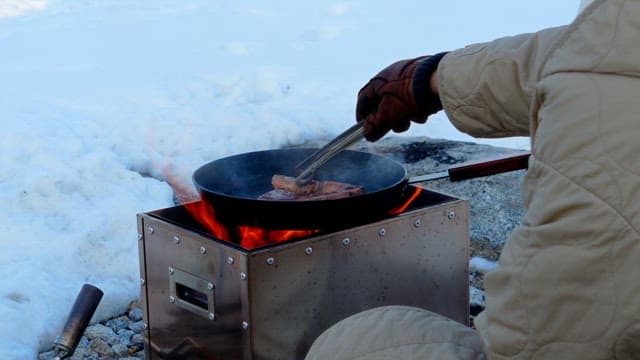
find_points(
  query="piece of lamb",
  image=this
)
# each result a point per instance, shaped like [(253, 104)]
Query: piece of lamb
[(282, 195), (288, 183), (286, 189)]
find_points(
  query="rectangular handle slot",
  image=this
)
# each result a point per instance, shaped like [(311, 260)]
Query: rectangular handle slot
[(192, 293), (192, 296)]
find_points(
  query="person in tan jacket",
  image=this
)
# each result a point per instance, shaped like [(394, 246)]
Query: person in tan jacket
[(568, 284)]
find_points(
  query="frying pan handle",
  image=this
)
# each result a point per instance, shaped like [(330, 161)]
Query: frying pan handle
[(470, 170), (474, 169)]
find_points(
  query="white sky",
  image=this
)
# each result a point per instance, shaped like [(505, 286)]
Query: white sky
[(95, 92)]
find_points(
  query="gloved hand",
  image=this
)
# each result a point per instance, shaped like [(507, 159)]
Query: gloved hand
[(398, 95)]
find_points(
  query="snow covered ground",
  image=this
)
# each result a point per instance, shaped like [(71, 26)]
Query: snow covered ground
[(100, 99)]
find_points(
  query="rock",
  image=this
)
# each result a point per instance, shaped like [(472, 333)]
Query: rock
[(136, 348), (49, 355), (120, 349), (101, 332), (137, 326), (125, 335), (476, 296), (83, 353), (118, 323), (137, 338), (135, 314), (101, 348), (84, 341)]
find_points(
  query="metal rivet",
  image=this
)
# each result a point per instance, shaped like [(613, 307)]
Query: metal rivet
[(382, 232), (245, 325), (172, 299), (451, 215), (230, 260), (139, 236), (212, 316), (142, 281), (150, 230), (210, 286), (145, 326), (417, 223), (203, 250), (171, 270), (346, 241), (308, 250), (270, 261), (243, 276), (176, 239)]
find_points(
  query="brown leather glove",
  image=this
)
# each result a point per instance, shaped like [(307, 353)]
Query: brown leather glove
[(398, 95)]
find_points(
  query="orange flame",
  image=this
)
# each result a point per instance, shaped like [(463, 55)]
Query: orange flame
[(403, 207), (203, 213), (253, 237), (250, 237)]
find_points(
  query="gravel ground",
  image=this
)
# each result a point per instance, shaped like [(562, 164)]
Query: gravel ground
[(117, 338), (495, 210)]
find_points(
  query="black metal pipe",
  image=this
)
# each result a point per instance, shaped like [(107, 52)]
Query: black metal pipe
[(81, 313)]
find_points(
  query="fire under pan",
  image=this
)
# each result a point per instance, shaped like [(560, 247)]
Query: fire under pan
[(204, 298)]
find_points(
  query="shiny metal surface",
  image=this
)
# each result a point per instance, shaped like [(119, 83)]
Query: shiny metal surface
[(174, 331), (304, 294), (289, 295), (143, 281)]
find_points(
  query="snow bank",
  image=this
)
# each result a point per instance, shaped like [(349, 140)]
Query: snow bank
[(482, 265)]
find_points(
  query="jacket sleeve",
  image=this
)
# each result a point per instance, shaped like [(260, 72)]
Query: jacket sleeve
[(486, 89)]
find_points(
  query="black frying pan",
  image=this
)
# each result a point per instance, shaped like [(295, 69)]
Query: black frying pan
[(233, 184)]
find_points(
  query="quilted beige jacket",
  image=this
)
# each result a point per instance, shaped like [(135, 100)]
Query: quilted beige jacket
[(568, 285)]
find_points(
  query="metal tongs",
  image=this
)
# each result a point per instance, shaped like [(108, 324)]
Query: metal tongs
[(306, 169)]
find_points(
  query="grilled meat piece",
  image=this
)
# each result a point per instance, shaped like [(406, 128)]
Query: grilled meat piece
[(288, 183), (286, 189)]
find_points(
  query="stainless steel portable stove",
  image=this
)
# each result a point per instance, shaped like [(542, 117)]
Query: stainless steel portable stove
[(204, 298)]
